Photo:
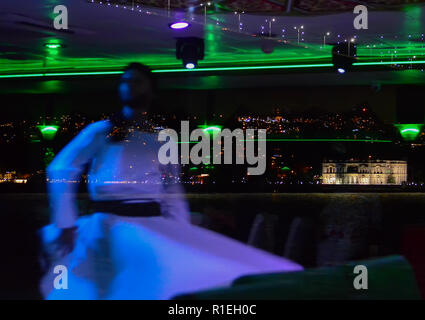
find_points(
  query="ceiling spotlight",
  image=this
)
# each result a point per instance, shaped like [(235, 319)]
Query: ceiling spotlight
[(190, 50), (53, 45), (179, 25), (190, 65), (343, 56)]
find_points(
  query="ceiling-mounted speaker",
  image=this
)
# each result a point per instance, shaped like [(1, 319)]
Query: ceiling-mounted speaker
[(343, 56), (190, 50), (268, 45)]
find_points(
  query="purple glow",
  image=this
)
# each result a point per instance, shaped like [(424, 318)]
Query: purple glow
[(179, 25), (341, 70)]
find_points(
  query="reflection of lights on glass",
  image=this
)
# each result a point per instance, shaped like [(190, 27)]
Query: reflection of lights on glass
[(190, 65), (212, 129), (212, 69)]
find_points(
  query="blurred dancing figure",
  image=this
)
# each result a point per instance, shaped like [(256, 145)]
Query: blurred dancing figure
[(139, 243)]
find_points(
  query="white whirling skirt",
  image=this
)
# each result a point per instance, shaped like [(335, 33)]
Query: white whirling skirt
[(150, 258)]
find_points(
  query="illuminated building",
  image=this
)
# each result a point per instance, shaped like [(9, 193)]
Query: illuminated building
[(373, 172), (9, 175), (20, 181)]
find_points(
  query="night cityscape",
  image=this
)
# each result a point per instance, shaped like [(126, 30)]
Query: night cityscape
[(287, 165)]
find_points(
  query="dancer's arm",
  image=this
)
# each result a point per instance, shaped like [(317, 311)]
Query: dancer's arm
[(66, 169)]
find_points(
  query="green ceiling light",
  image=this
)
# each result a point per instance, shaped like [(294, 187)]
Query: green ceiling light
[(48, 131), (409, 132), (246, 68), (380, 63), (286, 169), (29, 75), (210, 69), (212, 130)]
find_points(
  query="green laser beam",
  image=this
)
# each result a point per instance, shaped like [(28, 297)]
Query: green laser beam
[(288, 66), (409, 131), (377, 63), (48, 131), (276, 67), (60, 74), (307, 140), (291, 66), (319, 140)]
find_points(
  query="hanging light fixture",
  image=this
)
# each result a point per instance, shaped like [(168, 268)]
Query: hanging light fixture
[(180, 25)]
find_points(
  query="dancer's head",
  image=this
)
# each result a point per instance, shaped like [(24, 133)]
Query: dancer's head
[(137, 87)]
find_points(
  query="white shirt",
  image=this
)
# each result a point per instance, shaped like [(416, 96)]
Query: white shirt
[(126, 170)]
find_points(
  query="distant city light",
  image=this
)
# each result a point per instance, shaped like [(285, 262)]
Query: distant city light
[(213, 130), (320, 140)]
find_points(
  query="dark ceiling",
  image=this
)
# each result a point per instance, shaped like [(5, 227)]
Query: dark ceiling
[(263, 6)]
